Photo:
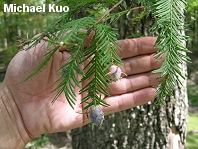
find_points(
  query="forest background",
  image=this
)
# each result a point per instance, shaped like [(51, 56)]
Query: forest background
[(15, 27)]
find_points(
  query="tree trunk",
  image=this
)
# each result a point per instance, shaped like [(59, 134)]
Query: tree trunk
[(142, 127)]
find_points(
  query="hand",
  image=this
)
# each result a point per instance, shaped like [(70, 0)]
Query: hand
[(33, 97)]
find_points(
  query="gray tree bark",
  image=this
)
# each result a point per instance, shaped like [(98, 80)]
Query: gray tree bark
[(142, 127)]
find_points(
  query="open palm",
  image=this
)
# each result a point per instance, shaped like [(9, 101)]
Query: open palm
[(34, 96)]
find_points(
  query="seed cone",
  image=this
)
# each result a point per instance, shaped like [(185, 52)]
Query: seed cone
[(96, 115)]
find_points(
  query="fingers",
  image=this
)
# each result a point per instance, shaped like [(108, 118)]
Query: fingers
[(129, 100), (133, 83), (137, 46), (139, 75), (140, 64)]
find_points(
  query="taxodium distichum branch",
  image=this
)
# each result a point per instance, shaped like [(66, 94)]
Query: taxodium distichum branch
[(102, 62)]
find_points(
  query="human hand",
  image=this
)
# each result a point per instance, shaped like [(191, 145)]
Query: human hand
[(33, 97)]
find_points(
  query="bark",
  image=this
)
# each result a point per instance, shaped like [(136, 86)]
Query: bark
[(142, 127)]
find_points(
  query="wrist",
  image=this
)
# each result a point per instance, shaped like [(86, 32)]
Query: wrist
[(13, 133)]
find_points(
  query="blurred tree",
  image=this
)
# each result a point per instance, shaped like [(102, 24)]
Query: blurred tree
[(192, 22), (192, 33), (18, 26)]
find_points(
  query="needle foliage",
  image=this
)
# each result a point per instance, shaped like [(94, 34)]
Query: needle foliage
[(169, 22), (101, 53)]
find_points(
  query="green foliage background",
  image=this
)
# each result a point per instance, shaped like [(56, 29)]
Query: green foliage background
[(16, 27)]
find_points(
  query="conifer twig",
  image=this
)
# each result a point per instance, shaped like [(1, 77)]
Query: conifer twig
[(106, 13)]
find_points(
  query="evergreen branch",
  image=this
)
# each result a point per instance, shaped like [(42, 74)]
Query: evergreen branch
[(102, 52), (148, 5), (69, 78), (106, 13), (113, 17), (81, 5), (170, 22), (69, 33), (102, 49)]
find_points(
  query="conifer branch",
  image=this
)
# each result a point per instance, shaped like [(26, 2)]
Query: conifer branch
[(68, 32), (106, 13), (170, 24)]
